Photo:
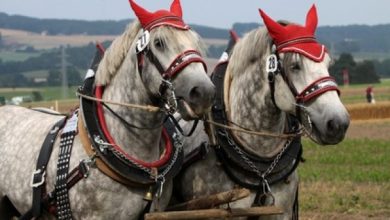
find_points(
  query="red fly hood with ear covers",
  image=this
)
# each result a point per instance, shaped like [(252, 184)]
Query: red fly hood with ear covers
[(296, 38), (150, 20)]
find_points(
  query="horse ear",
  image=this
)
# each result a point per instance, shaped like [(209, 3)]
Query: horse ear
[(274, 28), (140, 12), (176, 8), (312, 19)]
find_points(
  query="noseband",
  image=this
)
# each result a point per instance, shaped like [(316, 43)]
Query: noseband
[(177, 65)]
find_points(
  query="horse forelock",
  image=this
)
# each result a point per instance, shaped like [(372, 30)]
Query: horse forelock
[(251, 49), (116, 53), (247, 64), (176, 37)]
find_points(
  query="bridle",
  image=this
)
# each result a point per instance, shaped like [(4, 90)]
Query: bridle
[(313, 90), (177, 65), (169, 104)]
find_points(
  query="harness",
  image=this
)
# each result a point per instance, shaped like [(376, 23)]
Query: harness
[(108, 157), (252, 171), (248, 170)]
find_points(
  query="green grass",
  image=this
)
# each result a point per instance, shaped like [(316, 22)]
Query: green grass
[(7, 56), (48, 93), (384, 82), (362, 98), (351, 178), (36, 74), (359, 56), (352, 160)]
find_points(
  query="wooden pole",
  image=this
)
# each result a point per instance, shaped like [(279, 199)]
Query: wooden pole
[(207, 202), (214, 213)]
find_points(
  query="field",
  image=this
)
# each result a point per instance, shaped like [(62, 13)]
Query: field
[(350, 180), (42, 41), (347, 181)]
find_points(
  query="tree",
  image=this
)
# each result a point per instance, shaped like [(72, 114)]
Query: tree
[(345, 61), (363, 72), (1, 41), (54, 78), (383, 67), (36, 96), (74, 77)]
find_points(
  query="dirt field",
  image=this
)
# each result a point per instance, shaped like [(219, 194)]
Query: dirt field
[(349, 200), (372, 129), (41, 41)]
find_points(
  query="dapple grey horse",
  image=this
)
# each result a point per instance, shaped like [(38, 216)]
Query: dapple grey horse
[(22, 130), (259, 99)]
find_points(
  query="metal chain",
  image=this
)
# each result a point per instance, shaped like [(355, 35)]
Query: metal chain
[(178, 143), (250, 163)]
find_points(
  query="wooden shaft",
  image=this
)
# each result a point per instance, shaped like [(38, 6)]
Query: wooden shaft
[(211, 201), (215, 213)]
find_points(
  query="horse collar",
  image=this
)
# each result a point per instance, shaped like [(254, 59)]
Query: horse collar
[(128, 169)]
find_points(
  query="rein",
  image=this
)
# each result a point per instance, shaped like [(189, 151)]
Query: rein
[(258, 133), (168, 145), (148, 108)]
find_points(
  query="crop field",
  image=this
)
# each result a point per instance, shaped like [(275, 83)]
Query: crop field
[(40, 41), (350, 180)]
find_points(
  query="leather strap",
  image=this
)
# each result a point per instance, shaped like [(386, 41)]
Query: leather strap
[(61, 190), (38, 178), (85, 140)]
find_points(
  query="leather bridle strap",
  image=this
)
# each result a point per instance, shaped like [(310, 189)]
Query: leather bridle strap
[(178, 64), (317, 88), (183, 60)]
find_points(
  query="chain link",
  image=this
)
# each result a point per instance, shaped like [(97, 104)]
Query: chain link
[(178, 143), (250, 163)]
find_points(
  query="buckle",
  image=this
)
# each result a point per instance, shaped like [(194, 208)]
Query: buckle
[(39, 182)]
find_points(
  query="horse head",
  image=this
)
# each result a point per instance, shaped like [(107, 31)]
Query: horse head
[(167, 50), (304, 87)]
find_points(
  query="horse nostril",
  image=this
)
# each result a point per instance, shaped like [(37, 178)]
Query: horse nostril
[(195, 93), (336, 127), (202, 95), (331, 125)]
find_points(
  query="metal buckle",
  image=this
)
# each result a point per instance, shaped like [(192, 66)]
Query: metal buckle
[(34, 184)]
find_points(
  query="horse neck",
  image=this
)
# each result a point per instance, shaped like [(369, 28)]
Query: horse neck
[(127, 87), (251, 106)]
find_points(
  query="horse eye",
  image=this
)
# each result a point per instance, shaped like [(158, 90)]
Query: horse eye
[(159, 44), (295, 67)]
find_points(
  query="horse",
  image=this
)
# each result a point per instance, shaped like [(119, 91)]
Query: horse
[(152, 70), (271, 88)]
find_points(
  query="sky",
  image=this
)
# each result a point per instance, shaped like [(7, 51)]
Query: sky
[(213, 13)]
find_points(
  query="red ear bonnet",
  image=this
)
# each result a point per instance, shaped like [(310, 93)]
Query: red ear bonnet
[(296, 38), (150, 20)]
